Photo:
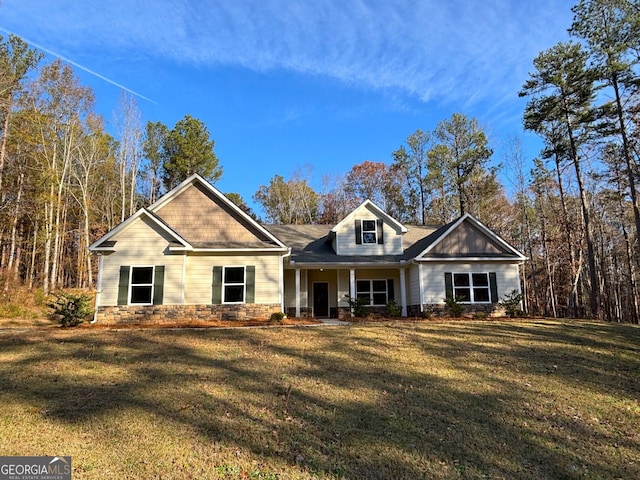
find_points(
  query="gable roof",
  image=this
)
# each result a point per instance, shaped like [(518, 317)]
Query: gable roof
[(368, 204), (426, 249), (106, 244), (255, 236)]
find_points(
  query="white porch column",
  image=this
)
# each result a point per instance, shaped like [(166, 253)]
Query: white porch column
[(297, 293), (352, 284), (403, 292), (421, 283)]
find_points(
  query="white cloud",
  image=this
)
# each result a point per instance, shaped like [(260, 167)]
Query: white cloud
[(454, 51)]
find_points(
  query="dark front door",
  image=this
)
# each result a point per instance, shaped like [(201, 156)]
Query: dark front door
[(320, 299)]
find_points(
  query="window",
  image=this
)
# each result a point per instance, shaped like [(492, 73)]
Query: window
[(369, 231), (374, 292), (141, 286), (471, 287), (233, 285)]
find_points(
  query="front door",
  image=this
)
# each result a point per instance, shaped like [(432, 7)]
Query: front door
[(320, 299)]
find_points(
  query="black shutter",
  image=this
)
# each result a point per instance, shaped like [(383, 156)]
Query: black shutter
[(379, 224), (391, 294), (123, 285), (216, 286), (358, 225), (448, 285), (250, 284), (493, 286), (158, 285)]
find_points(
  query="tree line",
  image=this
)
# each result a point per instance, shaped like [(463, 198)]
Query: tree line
[(573, 210)]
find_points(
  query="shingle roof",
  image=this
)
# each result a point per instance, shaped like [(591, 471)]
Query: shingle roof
[(312, 244)]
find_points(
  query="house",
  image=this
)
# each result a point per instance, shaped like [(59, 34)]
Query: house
[(194, 255)]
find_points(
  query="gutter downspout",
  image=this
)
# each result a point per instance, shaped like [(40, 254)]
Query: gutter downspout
[(98, 287)]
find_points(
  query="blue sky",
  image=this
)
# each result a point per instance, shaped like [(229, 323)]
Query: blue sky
[(316, 85)]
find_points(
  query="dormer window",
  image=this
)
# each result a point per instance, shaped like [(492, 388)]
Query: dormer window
[(369, 231)]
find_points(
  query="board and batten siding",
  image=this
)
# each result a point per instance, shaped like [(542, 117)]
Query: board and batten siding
[(199, 276), (433, 277), (141, 244)]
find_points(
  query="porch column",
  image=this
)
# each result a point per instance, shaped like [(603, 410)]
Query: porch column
[(352, 285), (297, 293), (403, 293)]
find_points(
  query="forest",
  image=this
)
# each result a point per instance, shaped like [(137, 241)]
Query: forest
[(65, 180)]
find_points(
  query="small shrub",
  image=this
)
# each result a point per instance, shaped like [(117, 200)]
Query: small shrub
[(480, 315), (71, 309), (511, 304), (393, 310), (359, 306), (426, 314), (277, 317), (454, 307)]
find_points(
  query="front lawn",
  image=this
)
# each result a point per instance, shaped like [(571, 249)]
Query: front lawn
[(394, 400)]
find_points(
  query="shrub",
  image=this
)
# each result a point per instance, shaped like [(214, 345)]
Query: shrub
[(511, 304), (277, 317), (71, 309), (426, 314), (455, 308), (480, 315), (393, 310), (359, 306)]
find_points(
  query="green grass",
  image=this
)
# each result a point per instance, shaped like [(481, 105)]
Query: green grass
[(449, 400)]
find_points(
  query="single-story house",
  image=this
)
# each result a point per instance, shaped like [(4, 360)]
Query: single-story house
[(194, 255)]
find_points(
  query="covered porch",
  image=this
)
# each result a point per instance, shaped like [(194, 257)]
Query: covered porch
[(324, 291)]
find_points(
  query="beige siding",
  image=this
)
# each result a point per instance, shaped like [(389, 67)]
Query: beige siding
[(199, 276), (290, 289), (413, 286), (345, 242), (434, 289), (142, 243)]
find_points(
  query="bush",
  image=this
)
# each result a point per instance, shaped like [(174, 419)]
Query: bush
[(359, 306), (277, 317), (511, 304), (455, 308), (71, 309), (393, 310)]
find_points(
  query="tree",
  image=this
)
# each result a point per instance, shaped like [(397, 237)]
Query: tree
[(366, 181), (291, 202), (127, 120), (189, 150), (153, 148), (58, 105), (16, 60), (561, 92), (459, 159), (412, 161), (611, 30)]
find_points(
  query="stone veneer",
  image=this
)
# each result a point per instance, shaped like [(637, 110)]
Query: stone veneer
[(128, 314)]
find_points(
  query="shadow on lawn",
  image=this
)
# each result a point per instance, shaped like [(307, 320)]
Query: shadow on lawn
[(340, 402)]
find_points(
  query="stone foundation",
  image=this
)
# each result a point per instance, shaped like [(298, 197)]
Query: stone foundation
[(440, 310), (129, 314)]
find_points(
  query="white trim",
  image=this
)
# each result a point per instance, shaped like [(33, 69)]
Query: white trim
[(244, 285), (95, 246), (374, 231), (471, 287), (403, 292), (227, 250), (98, 287), (372, 291), (297, 293), (131, 284), (376, 210), (468, 259), (421, 283)]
